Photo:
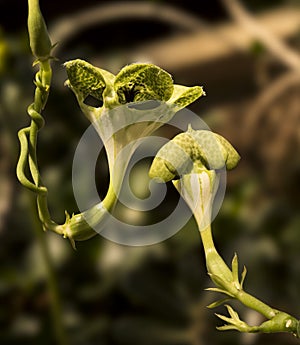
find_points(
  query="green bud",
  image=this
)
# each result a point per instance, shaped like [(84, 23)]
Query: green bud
[(40, 43)]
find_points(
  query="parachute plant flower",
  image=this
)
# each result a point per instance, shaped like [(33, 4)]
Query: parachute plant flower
[(195, 156), (147, 91), (132, 105), (193, 161)]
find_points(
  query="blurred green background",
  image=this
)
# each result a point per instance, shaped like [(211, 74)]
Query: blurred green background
[(117, 295)]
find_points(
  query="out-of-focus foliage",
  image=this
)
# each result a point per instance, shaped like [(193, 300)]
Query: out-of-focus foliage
[(117, 295)]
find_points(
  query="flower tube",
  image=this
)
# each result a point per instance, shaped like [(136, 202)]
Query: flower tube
[(131, 105)]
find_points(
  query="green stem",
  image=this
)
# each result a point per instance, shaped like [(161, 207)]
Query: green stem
[(55, 301), (43, 80), (216, 266), (222, 275), (256, 304), (227, 282)]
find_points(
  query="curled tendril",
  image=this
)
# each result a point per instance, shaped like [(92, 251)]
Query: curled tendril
[(27, 166), (28, 135), (23, 135)]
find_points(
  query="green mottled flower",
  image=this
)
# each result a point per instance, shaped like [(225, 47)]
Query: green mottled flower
[(192, 151), (142, 82), (191, 160), (133, 104), (129, 106)]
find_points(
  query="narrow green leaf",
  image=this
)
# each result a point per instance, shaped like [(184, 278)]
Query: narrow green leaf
[(243, 276), (235, 268), (227, 328), (216, 290), (224, 318), (221, 283), (218, 303), (234, 315)]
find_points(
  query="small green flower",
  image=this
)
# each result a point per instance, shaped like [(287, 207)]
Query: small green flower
[(193, 152), (192, 160), (133, 104), (136, 102)]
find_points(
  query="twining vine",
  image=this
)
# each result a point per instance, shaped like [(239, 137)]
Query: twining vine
[(192, 160)]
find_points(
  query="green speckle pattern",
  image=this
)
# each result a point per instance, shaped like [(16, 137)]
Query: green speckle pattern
[(135, 83), (85, 79), (208, 149), (141, 82), (189, 96), (173, 159), (193, 150), (232, 157)]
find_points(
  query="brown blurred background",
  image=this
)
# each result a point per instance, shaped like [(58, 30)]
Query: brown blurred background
[(249, 64)]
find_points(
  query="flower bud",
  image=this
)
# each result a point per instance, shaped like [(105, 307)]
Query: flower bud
[(40, 43)]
